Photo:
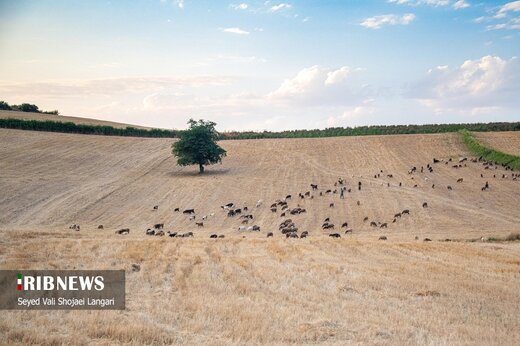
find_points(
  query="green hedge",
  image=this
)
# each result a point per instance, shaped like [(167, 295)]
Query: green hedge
[(69, 127), (374, 130), (489, 154)]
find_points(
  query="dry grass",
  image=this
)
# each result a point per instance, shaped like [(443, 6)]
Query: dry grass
[(276, 291), (507, 142), (253, 290)]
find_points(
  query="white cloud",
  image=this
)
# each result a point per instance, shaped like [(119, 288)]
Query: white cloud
[(235, 30), (476, 84), (460, 5), (421, 2), (513, 24), (280, 7), (178, 3), (377, 22), (317, 85), (242, 6), (513, 6), (337, 76), (109, 86)]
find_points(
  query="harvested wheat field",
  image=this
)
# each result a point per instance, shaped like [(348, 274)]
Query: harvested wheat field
[(508, 142), (250, 289)]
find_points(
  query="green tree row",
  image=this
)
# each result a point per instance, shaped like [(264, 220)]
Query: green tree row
[(56, 126), (374, 130), (490, 154), (24, 107), (69, 127)]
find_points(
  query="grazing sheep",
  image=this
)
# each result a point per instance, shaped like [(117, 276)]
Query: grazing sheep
[(158, 226), (123, 231), (242, 228), (348, 230), (231, 213), (327, 219), (383, 225), (383, 237), (221, 236), (159, 233), (256, 228), (188, 211), (345, 224), (331, 205), (358, 203), (449, 187), (397, 215), (100, 227), (259, 203), (314, 186), (327, 226), (425, 205), (199, 224), (213, 236), (150, 231), (172, 234), (406, 211), (192, 217), (365, 219), (304, 234), (274, 210), (335, 235), (177, 209), (155, 207), (460, 180), (245, 221), (270, 234), (427, 239), (373, 224)]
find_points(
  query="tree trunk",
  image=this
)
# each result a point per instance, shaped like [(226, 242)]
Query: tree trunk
[(201, 168)]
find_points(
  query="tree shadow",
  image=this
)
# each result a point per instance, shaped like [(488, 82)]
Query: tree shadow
[(195, 172)]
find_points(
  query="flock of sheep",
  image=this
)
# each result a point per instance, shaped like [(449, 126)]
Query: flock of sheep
[(281, 208)]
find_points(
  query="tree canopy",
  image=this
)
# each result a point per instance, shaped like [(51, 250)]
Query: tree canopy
[(197, 145)]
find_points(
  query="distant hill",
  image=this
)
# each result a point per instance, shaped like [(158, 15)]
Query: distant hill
[(63, 118)]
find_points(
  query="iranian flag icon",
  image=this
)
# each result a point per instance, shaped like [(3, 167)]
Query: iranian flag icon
[(19, 282)]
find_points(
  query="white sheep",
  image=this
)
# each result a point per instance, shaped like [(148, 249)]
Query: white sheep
[(259, 203)]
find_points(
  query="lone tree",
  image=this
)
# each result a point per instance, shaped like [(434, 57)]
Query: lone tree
[(197, 145)]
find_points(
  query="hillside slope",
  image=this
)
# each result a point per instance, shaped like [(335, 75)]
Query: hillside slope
[(63, 118), (507, 142), (52, 180)]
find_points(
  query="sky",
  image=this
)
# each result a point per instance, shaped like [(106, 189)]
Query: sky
[(264, 65)]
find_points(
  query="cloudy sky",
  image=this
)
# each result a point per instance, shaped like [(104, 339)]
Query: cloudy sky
[(258, 65)]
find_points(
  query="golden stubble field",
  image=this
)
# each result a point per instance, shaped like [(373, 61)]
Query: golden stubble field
[(249, 289)]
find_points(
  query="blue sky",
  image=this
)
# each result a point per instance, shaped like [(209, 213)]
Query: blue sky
[(255, 65)]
